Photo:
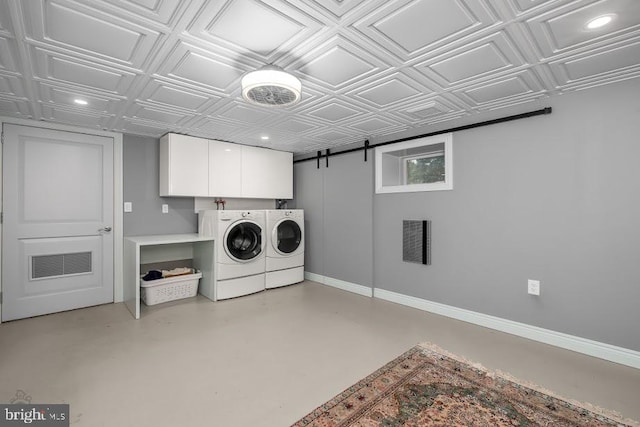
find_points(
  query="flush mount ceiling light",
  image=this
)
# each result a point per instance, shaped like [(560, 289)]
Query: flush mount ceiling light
[(271, 86), (80, 101), (600, 21)]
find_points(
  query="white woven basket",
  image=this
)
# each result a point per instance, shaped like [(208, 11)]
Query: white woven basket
[(172, 288)]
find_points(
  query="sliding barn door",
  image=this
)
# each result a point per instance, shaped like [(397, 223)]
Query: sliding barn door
[(57, 244)]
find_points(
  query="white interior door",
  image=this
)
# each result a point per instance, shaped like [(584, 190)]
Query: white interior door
[(57, 245)]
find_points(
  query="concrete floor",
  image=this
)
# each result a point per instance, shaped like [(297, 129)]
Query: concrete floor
[(261, 360)]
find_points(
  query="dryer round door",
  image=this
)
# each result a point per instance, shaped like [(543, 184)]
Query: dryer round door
[(286, 237), (243, 241)]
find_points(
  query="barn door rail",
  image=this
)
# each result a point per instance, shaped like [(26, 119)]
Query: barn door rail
[(366, 146)]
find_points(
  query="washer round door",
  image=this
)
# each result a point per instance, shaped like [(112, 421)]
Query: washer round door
[(243, 241), (286, 237)]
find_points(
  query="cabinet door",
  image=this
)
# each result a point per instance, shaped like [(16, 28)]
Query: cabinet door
[(266, 174), (184, 166), (225, 169)]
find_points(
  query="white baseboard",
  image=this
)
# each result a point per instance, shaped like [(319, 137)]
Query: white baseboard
[(313, 277), (597, 349), (340, 284)]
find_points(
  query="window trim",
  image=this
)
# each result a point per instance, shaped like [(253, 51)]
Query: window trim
[(447, 184)]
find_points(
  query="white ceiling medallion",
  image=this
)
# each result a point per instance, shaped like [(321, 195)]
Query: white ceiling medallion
[(271, 86)]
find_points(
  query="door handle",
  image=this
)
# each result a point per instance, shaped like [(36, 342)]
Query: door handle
[(104, 230)]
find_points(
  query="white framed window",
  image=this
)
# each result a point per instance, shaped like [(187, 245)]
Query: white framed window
[(424, 164)]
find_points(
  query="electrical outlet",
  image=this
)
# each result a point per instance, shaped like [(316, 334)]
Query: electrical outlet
[(165, 208), (128, 207), (533, 287)]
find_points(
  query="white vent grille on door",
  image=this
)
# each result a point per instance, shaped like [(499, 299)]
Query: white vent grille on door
[(46, 266)]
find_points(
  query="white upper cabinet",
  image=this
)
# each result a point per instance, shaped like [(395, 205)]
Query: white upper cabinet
[(184, 166), (266, 174), (225, 169), (196, 167)]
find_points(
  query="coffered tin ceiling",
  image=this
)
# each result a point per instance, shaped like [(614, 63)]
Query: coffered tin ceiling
[(368, 68)]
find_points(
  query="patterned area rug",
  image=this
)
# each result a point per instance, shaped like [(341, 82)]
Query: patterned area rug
[(427, 387)]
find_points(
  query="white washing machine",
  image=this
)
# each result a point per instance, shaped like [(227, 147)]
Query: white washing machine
[(285, 247), (239, 250)]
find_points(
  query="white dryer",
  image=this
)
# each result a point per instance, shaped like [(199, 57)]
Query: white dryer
[(239, 250), (285, 247)]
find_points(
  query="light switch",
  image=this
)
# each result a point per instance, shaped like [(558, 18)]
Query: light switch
[(128, 207), (165, 208)]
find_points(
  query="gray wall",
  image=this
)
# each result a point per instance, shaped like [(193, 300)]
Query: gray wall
[(554, 198), (140, 164), (342, 196), (308, 184)]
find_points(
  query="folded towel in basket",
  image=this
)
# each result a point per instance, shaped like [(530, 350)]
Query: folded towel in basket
[(180, 271)]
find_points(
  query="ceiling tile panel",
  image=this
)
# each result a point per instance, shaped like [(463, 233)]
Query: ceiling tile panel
[(254, 26), (487, 57), (8, 57), (517, 85), (421, 23), (5, 19), (564, 29), (427, 111), (334, 112), (264, 29), (213, 127), (525, 5), (481, 60), (18, 107), (195, 66), (504, 89), (356, 65), (11, 85), (135, 127), (332, 136), (74, 117), (295, 125), (162, 93), (243, 113), (374, 126), (417, 27), (621, 59), (431, 108), (338, 8), (64, 97), (155, 114), (71, 27), (159, 11), (441, 118), (63, 68), (390, 90)]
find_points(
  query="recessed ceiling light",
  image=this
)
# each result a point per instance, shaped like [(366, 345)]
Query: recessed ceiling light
[(264, 137), (80, 101), (600, 21)]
